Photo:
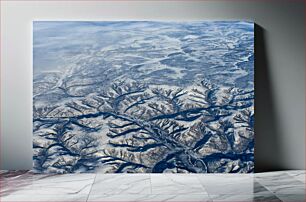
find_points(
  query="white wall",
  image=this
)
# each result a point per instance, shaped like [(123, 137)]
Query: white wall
[(279, 67)]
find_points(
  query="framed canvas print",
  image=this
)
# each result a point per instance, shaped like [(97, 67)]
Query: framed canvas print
[(143, 96)]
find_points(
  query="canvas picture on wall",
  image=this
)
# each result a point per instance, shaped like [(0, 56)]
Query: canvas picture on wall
[(143, 96)]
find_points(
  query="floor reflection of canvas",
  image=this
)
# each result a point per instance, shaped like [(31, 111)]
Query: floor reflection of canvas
[(143, 97)]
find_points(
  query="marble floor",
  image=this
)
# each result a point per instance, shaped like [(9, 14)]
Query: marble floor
[(271, 186)]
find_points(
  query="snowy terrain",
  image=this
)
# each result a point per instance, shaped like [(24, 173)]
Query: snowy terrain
[(138, 96)]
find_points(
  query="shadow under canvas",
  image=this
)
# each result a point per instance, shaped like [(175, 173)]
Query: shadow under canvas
[(267, 141)]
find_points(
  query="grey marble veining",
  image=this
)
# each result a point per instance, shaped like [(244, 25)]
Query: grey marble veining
[(282, 183), (176, 184), (17, 180), (258, 188), (284, 186), (298, 175), (228, 184), (118, 184), (268, 197), (29, 184), (245, 198), (292, 197), (150, 198), (44, 198)]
